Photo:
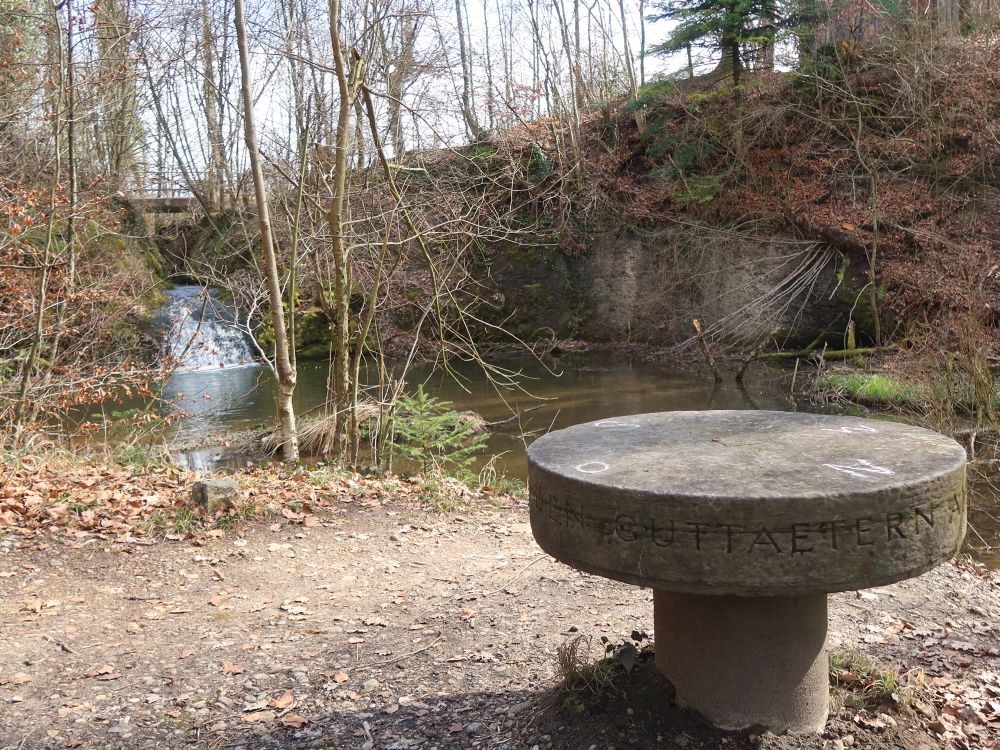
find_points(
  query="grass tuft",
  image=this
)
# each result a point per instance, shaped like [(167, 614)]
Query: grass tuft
[(867, 684), (580, 674)]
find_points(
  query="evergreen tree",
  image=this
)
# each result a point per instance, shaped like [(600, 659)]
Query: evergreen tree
[(734, 27)]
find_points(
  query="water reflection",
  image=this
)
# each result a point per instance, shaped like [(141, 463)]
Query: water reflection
[(574, 389), (212, 402)]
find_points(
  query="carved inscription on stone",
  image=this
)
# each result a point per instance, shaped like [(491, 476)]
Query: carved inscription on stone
[(829, 536)]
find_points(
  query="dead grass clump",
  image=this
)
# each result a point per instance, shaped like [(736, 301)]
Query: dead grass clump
[(316, 435), (581, 675)]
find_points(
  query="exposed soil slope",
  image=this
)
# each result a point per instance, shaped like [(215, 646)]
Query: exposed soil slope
[(890, 155)]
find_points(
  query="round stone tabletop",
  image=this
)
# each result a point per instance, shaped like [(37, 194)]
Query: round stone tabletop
[(756, 503)]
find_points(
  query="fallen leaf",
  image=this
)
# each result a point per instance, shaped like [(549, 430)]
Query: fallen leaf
[(284, 701), (229, 668), (294, 721), (104, 672)]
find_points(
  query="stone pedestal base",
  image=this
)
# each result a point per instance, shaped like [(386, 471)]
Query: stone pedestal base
[(745, 661)]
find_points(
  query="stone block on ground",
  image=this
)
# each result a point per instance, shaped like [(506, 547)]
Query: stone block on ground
[(215, 494)]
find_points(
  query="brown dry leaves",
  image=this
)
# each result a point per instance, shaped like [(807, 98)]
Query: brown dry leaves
[(84, 499), (87, 499)]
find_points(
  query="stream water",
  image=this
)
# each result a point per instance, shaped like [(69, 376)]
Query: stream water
[(218, 390)]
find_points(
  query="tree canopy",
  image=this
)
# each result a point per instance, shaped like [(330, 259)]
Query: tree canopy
[(736, 28)]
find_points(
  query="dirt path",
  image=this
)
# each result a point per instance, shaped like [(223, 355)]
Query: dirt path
[(387, 626)]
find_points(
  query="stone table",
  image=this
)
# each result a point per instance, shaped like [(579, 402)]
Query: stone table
[(742, 522)]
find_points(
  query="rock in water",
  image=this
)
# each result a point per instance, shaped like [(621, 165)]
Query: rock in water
[(215, 494)]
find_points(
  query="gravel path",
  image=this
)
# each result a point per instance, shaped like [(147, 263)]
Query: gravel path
[(388, 626)]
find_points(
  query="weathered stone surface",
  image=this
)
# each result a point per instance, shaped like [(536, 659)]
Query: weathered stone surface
[(741, 661), (648, 285), (215, 494), (754, 503), (741, 522)]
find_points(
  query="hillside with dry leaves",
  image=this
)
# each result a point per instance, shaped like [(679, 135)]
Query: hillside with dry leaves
[(890, 155)]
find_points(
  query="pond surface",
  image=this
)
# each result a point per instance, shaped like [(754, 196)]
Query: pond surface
[(216, 393), (562, 392), (558, 393)]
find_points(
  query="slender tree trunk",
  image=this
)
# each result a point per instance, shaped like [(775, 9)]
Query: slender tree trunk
[(339, 312), (215, 190), (71, 144), (575, 59), (642, 42), (490, 93), (21, 410), (767, 53), (69, 287), (282, 362), (468, 113), (633, 86)]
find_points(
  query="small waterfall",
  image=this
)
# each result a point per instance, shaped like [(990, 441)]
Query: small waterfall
[(198, 331)]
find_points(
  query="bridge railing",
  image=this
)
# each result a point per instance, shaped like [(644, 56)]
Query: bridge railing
[(163, 185)]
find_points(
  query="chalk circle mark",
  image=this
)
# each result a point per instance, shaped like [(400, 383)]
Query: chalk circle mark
[(592, 467), (615, 424), (849, 429)]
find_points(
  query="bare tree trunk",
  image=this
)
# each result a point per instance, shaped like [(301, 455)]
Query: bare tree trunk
[(339, 313), (41, 302), (575, 59), (767, 51), (71, 144), (490, 112), (642, 42), (468, 113), (633, 86), (215, 189), (69, 287), (118, 131), (282, 362)]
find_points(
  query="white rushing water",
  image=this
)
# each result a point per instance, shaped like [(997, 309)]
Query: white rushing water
[(198, 331)]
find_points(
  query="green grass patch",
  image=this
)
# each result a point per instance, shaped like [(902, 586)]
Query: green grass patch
[(867, 684), (875, 388), (137, 455)]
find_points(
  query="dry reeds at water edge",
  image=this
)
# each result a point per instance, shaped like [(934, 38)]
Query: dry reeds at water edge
[(316, 435)]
